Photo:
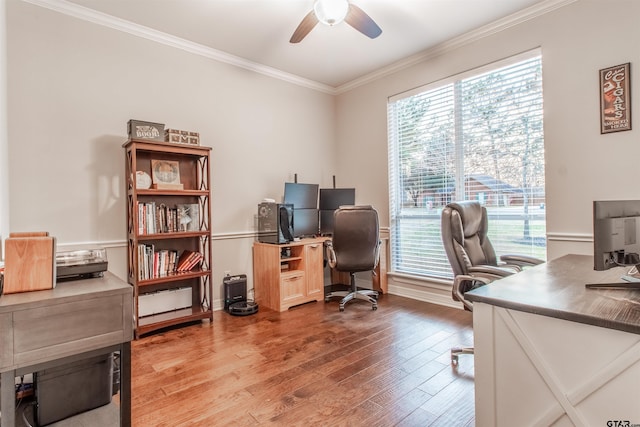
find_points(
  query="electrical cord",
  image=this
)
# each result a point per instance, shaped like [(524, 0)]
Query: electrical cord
[(24, 409), (24, 415)]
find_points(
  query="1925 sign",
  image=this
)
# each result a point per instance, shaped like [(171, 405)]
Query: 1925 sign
[(615, 99)]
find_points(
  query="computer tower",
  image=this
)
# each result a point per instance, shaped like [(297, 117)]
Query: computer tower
[(73, 388), (275, 223)]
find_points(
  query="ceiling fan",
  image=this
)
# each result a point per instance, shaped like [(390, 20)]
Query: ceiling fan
[(333, 12)]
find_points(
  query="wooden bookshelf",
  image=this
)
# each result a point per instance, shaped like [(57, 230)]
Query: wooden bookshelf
[(145, 239)]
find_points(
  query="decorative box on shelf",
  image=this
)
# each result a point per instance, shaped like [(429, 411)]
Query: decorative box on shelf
[(145, 130), (182, 137)]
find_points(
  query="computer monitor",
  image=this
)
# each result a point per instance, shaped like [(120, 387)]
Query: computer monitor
[(616, 233), (330, 200), (305, 222), (301, 196), (333, 198)]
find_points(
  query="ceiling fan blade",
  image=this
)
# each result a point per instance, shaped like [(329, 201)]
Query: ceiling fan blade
[(362, 22), (305, 26)]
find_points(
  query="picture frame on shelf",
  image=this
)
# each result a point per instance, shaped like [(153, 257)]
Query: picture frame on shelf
[(189, 217), (166, 174), (143, 180), (615, 98)]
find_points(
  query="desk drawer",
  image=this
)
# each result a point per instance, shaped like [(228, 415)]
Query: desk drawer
[(292, 289), (64, 329)]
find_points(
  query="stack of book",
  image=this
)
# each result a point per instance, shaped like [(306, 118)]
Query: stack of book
[(153, 219), (155, 263), (188, 261), (161, 263)]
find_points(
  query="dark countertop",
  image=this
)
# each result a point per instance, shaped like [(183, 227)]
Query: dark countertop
[(557, 289)]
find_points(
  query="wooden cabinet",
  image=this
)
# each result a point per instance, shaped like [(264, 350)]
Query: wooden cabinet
[(314, 266), (166, 220), (288, 274)]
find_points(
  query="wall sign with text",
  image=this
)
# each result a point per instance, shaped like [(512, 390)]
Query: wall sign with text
[(615, 99)]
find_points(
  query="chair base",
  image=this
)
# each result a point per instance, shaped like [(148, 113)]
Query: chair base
[(456, 351), (362, 294)]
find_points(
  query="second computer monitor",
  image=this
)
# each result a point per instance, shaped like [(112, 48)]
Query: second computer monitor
[(333, 198), (330, 200), (305, 222)]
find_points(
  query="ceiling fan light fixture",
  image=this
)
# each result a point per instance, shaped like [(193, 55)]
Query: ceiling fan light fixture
[(331, 12)]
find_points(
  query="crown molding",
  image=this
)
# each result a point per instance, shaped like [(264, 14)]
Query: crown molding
[(109, 21), (457, 42)]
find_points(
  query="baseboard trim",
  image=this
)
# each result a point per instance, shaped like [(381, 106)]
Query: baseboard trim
[(422, 290)]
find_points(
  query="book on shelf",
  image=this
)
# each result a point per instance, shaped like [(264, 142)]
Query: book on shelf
[(153, 264), (195, 262), (147, 218), (188, 260), (153, 219)]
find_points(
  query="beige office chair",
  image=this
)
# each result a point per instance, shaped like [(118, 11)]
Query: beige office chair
[(471, 255), (354, 247)]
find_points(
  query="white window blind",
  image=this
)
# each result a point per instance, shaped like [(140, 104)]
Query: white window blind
[(478, 136)]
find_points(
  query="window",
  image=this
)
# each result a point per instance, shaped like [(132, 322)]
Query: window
[(477, 136)]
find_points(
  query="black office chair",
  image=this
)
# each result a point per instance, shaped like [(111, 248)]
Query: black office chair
[(471, 255), (354, 247)]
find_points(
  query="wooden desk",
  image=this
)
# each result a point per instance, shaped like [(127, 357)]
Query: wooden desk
[(549, 351), (282, 282), (73, 321)]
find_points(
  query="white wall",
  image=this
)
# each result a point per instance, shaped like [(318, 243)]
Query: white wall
[(582, 165), (73, 86), (4, 145)]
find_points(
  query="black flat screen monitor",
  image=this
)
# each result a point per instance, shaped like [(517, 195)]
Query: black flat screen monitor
[(301, 196), (305, 222), (616, 233), (330, 200), (326, 222), (333, 198)]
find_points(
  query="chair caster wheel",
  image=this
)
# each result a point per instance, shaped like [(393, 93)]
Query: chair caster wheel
[(374, 308), (454, 359), (341, 308), (327, 299)]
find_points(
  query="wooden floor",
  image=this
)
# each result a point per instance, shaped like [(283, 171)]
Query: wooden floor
[(309, 366)]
